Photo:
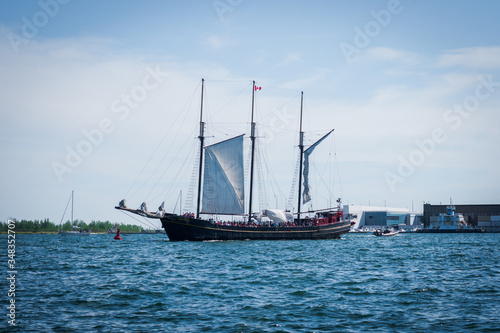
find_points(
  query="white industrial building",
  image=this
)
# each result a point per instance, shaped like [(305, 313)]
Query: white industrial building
[(368, 218)]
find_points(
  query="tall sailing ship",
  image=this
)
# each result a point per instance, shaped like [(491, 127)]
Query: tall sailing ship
[(221, 192)]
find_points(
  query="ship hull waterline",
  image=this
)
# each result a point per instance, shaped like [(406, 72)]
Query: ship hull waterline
[(180, 228), (450, 231)]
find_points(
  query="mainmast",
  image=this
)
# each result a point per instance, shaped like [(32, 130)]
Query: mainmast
[(301, 147), (252, 138), (202, 138)]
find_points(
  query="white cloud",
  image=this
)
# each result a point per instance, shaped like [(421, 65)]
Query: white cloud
[(472, 57), (390, 54), (314, 78), (291, 58), (260, 56), (55, 90), (215, 42), (386, 54)]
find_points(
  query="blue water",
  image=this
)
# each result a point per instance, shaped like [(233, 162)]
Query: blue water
[(360, 283)]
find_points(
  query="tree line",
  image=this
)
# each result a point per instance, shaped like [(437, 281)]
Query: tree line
[(46, 225)]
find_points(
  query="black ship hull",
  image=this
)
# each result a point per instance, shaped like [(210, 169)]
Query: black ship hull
[(181, 228)]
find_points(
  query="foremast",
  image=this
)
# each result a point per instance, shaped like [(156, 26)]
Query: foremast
[(201, 137)]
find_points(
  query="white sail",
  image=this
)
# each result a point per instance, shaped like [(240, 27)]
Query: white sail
[(223, 182), (306, 196), (275, 215)]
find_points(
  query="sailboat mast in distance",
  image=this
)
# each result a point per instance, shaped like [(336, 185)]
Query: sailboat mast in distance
[(202, 138), (252, 138)]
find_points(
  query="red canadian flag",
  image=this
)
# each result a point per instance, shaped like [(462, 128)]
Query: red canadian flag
[(258, 88)]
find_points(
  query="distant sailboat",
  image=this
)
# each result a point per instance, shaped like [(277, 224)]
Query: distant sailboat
[(75, 231), (222, 182)]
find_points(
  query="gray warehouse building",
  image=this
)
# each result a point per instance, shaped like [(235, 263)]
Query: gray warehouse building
[(486, 217)]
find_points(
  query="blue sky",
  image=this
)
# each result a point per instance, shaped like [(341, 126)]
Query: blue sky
[(414, 99)]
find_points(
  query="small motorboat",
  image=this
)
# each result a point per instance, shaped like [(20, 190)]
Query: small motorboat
[(385, 232)]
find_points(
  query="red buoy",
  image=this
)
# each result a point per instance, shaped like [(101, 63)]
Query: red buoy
[(117, 237)]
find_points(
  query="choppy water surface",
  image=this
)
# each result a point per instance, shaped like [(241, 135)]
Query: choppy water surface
[(360, 283)]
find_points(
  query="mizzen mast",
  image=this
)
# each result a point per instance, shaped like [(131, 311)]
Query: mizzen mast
[(202, 139), (301, 147)]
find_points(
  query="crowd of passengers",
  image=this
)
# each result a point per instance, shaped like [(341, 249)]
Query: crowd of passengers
[(306, 222)]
